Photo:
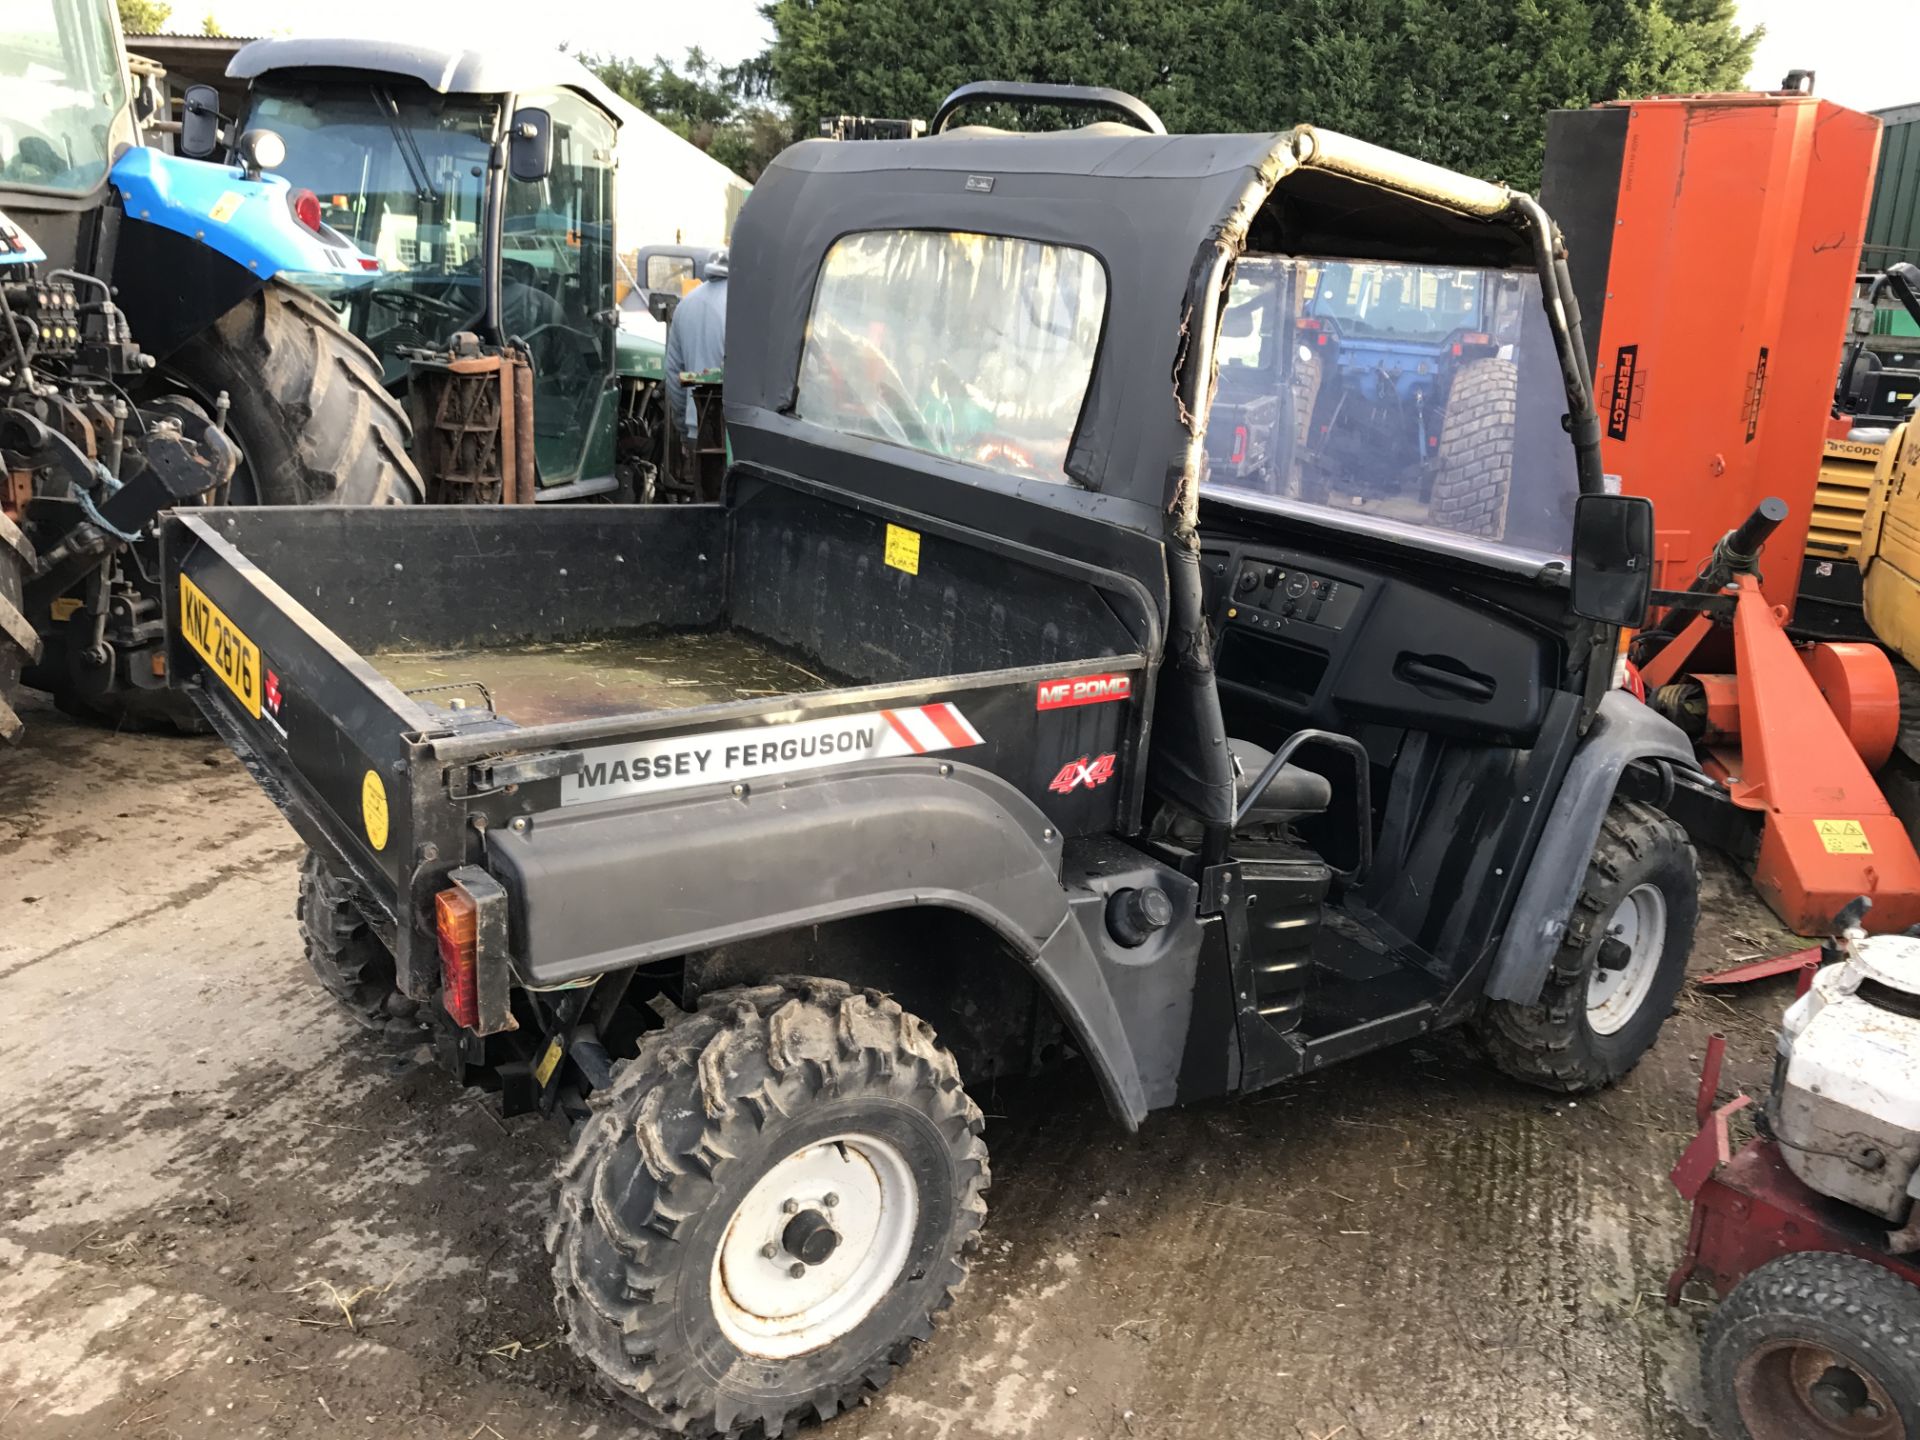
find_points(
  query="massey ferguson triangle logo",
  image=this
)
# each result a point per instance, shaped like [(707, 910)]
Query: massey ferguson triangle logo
[(1086, 690), (1620, 401)]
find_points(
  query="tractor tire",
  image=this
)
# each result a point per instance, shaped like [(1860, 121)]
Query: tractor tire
[(1473, 474), (348, 959), (1620, 965), (797, 1119), (19, 646), (1814, 1344), (313, 422)]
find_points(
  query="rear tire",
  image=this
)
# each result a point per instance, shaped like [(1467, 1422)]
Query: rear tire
[(348, 959), (1815, 1344), (314, 424), (1595, 1020), (1474, 472), (803, 1103), (19, 646)]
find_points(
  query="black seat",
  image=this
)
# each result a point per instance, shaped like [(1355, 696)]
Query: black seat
[(1293, 793)]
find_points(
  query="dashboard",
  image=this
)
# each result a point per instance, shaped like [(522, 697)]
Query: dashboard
[(1302, 640)]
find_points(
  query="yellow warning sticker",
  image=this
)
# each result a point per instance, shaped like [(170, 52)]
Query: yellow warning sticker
[(64, 609), (225, 207), (903, 549), (1843, 837), (373, 809), (549, 1062)]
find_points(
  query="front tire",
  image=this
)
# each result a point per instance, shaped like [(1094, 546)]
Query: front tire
[(1813, 1345), (1620, 964), (314, 424), (805, 1119)]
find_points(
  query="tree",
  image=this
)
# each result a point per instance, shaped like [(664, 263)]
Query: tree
[(209, 25), (143, 17), (717, 108), (1463, 83)]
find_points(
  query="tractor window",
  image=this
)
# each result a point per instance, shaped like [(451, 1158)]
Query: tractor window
[(556, 289), (973, 347), (1394, 395), (397, 176), (61, 92)]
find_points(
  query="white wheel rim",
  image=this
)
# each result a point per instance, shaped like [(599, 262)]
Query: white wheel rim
[(1638, 922), (863, 1190)]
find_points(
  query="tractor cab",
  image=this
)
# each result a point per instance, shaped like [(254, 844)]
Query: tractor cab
[(475, 196)]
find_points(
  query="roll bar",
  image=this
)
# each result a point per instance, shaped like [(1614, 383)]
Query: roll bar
[(1074, 97)]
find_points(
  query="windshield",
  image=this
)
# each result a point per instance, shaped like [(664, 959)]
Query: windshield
[(401, 174), (1394, 395), (61, 89)]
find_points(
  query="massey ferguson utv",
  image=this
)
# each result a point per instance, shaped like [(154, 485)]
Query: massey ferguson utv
[(972, 730)]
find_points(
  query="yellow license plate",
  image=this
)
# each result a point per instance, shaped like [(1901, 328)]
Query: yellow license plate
[(219, 642)]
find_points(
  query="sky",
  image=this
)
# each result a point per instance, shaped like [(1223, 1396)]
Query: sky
[(1823, 35)]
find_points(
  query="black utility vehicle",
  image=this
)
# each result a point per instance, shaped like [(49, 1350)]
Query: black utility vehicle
[(974, 729)]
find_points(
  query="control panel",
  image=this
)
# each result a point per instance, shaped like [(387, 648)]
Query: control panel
[(1267, 595)]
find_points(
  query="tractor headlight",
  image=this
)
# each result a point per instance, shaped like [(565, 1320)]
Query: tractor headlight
[(262, 150)]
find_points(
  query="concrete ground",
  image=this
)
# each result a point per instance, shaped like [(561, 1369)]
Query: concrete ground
[(225, 1213)]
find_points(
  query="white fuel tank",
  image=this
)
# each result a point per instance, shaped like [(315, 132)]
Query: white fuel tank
[(1846, 1102)]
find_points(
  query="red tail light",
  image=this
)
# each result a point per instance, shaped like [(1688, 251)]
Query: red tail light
[(454, 917), (1309, 322), (306, 209), (1239, 445)]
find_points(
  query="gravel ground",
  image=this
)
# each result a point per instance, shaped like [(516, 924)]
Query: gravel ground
[(226, 1214)]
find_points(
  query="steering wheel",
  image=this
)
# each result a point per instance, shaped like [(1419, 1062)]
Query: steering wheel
[(413, 301)]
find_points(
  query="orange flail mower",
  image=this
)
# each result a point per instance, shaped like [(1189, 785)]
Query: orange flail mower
[(1713, 245)]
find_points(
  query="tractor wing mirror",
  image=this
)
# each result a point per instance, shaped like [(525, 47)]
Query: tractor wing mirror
[(1612, 558), (200, 122), (661, 305), (1238, 324), (530, 145)]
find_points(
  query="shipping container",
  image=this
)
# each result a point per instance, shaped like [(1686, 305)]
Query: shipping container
[(1893, 224)]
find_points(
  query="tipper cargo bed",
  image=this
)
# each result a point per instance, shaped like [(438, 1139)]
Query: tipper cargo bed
[(576, 656)]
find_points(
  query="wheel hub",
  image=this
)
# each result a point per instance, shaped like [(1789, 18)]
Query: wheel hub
[(815, 1246), (1629, 961), (810, 1238), (1797, 1390)]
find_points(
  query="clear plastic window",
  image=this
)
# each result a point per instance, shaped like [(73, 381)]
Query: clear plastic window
[(974, 347), (1401, 395)]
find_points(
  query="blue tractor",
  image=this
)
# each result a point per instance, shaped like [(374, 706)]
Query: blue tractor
[(153, 353), (1372, 386)]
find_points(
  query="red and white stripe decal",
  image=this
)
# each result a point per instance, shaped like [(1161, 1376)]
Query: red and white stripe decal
[(931, 727)]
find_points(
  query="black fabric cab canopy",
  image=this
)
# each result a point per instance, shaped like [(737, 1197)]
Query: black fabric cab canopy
[(1155, 211)]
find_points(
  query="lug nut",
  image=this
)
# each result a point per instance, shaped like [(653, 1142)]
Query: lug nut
[(796, 1270), (769, 1250), (830, 1200), (789, 1207)]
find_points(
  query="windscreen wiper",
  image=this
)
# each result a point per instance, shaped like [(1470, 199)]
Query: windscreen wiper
[(409, 150)]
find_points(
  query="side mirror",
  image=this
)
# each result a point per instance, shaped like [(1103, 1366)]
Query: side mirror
[(530, 145), (1612, 558), (1238, 323), (200, 122), (661, 305)]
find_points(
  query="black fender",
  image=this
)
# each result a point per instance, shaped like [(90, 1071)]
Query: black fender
[(615, 884), (171, 286), (1624, 730)]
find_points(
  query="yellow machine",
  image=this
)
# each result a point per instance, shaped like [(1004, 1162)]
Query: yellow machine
[(1890, 545)]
